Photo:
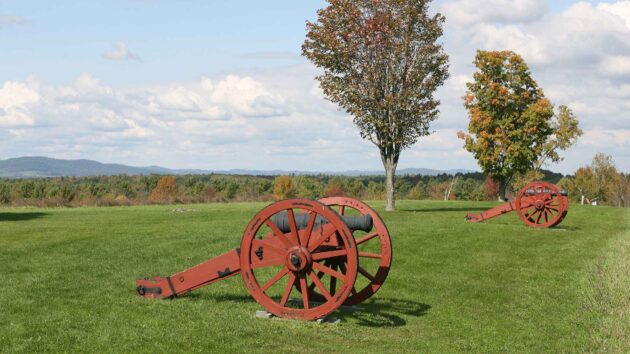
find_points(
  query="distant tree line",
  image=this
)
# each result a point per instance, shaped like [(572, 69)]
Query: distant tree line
[(599, 182), (130, 190)]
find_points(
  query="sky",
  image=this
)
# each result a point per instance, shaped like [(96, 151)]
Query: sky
[(221, 84)]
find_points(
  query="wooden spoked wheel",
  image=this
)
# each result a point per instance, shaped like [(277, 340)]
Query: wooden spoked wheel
[(375, 251), (273, 262), (541, 204)]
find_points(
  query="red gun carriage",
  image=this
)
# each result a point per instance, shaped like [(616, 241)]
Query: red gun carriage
[(297, 245), (538, 204)]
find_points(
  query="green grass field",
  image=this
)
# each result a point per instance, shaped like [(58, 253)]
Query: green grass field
[(67, 284)]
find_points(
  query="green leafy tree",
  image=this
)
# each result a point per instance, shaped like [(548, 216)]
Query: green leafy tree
[(308, 187), (565, 133), (5, 193), (606, 178), (510, 118), (584, 184), (375, 190), (382, 64), (470, 189), (418, 192)]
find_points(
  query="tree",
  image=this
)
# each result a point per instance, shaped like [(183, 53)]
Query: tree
[(335, 188), (165, 191), (606, 177), (418, 192), (283, 188), (565, 132), (491, 188), (382, 65), (584, 183), (510, 118), (600, 181)]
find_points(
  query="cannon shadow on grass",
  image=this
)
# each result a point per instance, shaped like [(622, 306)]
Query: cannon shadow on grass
[(21, 216), (385, 312), (373, 313)]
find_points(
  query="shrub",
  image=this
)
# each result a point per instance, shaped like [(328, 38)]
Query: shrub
[(283, 188), (165, 191)]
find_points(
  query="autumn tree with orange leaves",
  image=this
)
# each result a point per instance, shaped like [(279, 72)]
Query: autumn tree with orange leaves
[(381, 63), (510, 118)]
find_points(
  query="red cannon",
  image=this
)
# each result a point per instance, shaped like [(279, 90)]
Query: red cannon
[(326, 258), (538, 204)]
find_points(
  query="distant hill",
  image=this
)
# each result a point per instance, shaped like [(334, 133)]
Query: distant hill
[(37, 166)]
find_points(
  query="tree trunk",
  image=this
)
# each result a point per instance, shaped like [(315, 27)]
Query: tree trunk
[(390, 164), (503, 182)]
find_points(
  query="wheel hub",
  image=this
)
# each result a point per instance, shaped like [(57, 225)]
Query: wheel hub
[(539, 204), (298, 259)]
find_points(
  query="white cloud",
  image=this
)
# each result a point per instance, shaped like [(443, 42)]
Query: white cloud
[(119, 51), (246, 96), (16, 98), (466, 12), (617, 65), (620, 9)]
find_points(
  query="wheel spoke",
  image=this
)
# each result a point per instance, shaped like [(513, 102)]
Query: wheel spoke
[(329, 254), (333, 282), (279, 234), (270, 262), (530, 217), (306, 238), (293, 227), (369, 255), (319, 276), (342, 209), (526, 202), (304, 288), (328, 271), (367, 237), (269, 245), (331, 230), (353, 291), (287, 290), (275, 279), (539, 217), (366, 274), (317, 282)]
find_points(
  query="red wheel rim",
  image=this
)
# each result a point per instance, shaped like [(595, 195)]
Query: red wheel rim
[(541, 205), (274, 262)]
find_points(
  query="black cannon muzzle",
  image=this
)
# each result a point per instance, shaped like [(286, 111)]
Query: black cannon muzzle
[(354, 223)]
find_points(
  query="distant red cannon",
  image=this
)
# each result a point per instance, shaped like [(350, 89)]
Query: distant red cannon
[(538, 204), (300, 245)]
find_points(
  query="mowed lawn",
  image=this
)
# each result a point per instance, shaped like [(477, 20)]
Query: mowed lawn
[(67, 284)]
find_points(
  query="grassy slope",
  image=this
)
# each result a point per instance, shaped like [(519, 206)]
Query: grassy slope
[(67, 284)]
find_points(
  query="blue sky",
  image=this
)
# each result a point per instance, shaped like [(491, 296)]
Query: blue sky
[(221, 84)]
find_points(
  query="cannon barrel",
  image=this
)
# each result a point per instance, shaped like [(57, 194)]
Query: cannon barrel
[(563, 192), (354, 223)]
